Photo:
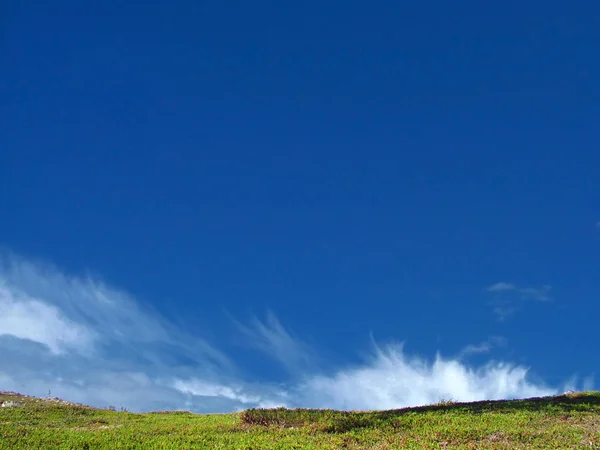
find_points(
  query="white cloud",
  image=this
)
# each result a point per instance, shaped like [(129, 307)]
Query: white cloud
[(501, 287), (25, 317), (393, 379), (541, 294), (508, 296), (94, 309), (482, 347), (502, 312), (91, 343), (272, 338), (244, 396)]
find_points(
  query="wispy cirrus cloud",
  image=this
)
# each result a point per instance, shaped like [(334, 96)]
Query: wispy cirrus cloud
[(275, 341), (541, 294), (483, 347), (83, 339), (25, 317), (89, 342), (508, 297), (393, 379)]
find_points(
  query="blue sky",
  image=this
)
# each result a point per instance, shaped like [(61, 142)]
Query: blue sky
[(326, 204)]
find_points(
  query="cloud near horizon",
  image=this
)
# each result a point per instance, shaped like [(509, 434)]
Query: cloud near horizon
[(88, 342)]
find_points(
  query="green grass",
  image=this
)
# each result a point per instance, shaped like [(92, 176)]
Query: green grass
[(561, 422)]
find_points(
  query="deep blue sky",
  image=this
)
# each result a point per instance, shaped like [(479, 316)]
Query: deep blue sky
[(354, 167)]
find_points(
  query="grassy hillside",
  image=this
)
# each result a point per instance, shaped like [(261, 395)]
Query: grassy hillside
[(561, 422)]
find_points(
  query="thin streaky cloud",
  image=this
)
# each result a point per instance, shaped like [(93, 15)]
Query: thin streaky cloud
[(25, 317), (92, 343), (501, 287), (274, 340), (540, 294), (508, 297), (482, 347), (526, 293), (97, 309), (504, 312)]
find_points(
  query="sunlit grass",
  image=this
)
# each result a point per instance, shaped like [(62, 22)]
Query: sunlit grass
[(561, 422)]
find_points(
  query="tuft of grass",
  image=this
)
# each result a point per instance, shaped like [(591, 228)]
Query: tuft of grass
[(560, 422)]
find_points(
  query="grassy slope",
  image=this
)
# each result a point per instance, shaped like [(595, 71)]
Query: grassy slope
[(568, 421)]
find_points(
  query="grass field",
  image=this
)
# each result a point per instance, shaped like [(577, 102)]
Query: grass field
[(562, 422)]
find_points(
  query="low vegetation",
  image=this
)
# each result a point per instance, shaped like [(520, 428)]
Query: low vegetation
[(562, 422)]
